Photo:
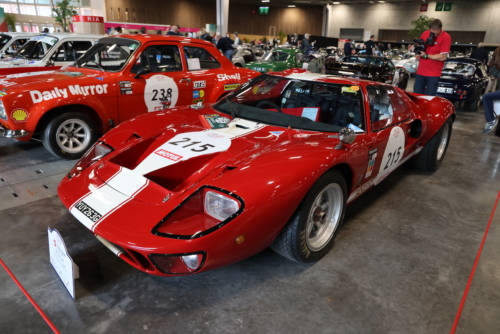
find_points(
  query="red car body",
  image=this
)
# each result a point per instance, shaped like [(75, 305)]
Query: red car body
[(32, 100), (268, 168)]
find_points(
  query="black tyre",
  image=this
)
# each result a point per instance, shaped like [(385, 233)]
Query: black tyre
[(69, 135), (474, 105), (309, 234), (238, 65), (431, 156), (403, 84)]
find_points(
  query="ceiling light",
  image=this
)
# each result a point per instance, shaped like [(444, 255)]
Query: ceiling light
[(382, 1), (336, 3), (291, 6), (266, 0)]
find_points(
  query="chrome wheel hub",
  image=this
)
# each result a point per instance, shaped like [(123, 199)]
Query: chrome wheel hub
[(443, 142), (73, 136)]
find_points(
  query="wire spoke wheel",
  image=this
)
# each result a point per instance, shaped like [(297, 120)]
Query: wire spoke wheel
[(324, 217)]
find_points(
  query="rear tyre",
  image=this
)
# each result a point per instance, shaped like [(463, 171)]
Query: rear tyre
[(69, 135), (310, 232), (431, 156), (474, 105)]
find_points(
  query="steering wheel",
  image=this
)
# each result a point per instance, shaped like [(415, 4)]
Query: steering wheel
[(262, 103)]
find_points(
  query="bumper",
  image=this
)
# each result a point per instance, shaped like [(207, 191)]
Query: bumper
[(12, 133)]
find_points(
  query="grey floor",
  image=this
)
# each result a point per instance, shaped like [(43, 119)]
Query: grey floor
[(399, 264)]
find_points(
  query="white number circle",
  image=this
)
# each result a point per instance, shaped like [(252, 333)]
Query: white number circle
[(160, 87), (393, 153)]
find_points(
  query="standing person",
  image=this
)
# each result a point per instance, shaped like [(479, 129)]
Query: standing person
[(381, 48), (205, 35), (237, 40), (348, 48), (143, 30), (277, 41), (174, 30), (305, 45), (481, 53), (432, 61), (118, 31), (294, 40), (389, 47), (225, 44), (370, 46), (495, 66), (489, 112)]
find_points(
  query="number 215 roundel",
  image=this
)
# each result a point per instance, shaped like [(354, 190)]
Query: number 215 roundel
[(394, 151)]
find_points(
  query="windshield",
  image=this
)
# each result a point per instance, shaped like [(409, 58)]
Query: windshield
[(37, 47), (4, 39), (364, 60), (299, 104), (458, 68), (109, 54), (275, 56)]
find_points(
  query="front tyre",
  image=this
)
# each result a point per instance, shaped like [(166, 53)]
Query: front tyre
[(309, 234), (69, 135), (431, 156)]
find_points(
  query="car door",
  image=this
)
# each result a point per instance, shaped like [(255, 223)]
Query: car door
[(389, 120)]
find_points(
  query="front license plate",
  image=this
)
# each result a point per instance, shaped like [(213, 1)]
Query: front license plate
[(88, 211), (445, 90)]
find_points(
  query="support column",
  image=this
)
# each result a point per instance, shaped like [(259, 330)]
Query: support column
[(222, 16), (325, 29)]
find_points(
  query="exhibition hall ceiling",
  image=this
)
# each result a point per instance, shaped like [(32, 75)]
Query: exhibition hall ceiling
[(324, 2)]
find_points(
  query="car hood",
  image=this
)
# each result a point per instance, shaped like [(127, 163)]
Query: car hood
[(265, 63), (19, 62)]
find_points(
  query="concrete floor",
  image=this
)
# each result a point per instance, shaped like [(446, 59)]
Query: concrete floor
[(399, 265)]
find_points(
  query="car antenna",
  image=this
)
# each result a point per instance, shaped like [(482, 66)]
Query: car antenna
[(230, 106)]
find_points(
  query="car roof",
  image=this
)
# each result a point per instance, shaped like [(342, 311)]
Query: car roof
[(143, 38), (464, 60), (13, 34), (66, 35)]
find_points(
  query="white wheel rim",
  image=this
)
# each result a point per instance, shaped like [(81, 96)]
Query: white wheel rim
[(73, 136), (444, 142), (324, 217)]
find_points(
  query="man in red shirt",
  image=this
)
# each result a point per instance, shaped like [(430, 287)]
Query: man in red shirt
[(432, 60)]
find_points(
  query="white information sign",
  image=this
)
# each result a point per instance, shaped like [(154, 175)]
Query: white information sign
[(61, 261), (193, 64)]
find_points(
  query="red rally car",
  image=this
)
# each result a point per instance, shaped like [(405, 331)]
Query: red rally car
[(116, 79), (192, 189)]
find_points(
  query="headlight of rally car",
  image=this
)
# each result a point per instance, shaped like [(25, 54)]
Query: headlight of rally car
[(220, 206), (3, 115), (94, 154)]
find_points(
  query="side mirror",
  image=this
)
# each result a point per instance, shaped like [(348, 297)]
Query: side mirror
[(346, 136), (142, 71)]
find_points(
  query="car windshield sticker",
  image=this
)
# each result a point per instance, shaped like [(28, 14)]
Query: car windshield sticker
[(200, 84), (311, 113), (354, 88), (160, 87), (184, 146), (214, 121), (372, 155), (393, 153), (193, 64)]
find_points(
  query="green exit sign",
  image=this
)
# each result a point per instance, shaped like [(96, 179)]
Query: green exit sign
[(439, 6), (447, 6), (263, 10)]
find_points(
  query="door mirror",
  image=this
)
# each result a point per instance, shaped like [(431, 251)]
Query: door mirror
[(346, 136), (142, 71)]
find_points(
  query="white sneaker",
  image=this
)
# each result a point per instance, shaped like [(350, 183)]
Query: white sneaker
[(490, 126)]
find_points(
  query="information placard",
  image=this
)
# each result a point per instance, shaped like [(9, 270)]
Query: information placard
[(61, 261)]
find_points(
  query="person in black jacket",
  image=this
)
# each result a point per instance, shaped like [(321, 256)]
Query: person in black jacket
[(481, 53), (225, 44), (305, 45)]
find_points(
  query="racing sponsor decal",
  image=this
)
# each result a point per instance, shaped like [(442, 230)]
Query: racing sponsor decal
[(6, 83), (100, 78), (28, 74), (125, 91), (361, 190), (19, 115), (198, 94), (199, 84), (160, 87), (168, 155), (214, 121), (186, 145), (39, 96), (72, 74), (125, 84), (231, 87), (276, 133), (224, 77), (198, 100), (372, 155), (393, 153), (2, 93)]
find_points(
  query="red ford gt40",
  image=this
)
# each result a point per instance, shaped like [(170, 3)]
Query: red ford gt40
[(191, 189)]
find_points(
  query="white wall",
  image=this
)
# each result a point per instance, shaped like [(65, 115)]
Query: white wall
[(469, 15)]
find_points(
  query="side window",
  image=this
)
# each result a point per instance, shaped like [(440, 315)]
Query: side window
[(387, 107), (71, 50), (159, 59), (207, 61), (391, 65), (16, 45)]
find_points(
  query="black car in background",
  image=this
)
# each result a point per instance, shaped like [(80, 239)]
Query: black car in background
[(373, 68), (463, 81)]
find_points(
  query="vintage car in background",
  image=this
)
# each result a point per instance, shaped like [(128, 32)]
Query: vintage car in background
[(463, 81), (278, 60), (11, 42), (242, 56), (191, 189), (373, 68), (47, 52), (117, 79), (411, 64)]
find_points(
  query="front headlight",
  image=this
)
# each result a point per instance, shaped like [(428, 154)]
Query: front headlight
[(3, 115), (220, 206), (96, 153)]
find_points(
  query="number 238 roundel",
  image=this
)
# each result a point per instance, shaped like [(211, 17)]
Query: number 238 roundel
[(160, 87), (393, 153)]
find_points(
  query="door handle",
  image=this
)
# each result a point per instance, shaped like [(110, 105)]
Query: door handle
[(185, 80)]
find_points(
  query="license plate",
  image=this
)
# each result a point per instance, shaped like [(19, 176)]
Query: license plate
[(445, 90)]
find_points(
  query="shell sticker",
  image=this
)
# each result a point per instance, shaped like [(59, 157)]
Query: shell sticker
[(19, 115)]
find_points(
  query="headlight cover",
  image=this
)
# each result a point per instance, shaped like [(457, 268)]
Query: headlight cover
[(3, 114), (220, 206), (94, 154)]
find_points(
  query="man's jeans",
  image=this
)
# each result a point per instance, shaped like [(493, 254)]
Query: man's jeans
[(426, 85), (488, 100), (229, 54)]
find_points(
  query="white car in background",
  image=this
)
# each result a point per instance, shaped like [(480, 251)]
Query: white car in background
[(242, 56), (11, 42), (47, 52)]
